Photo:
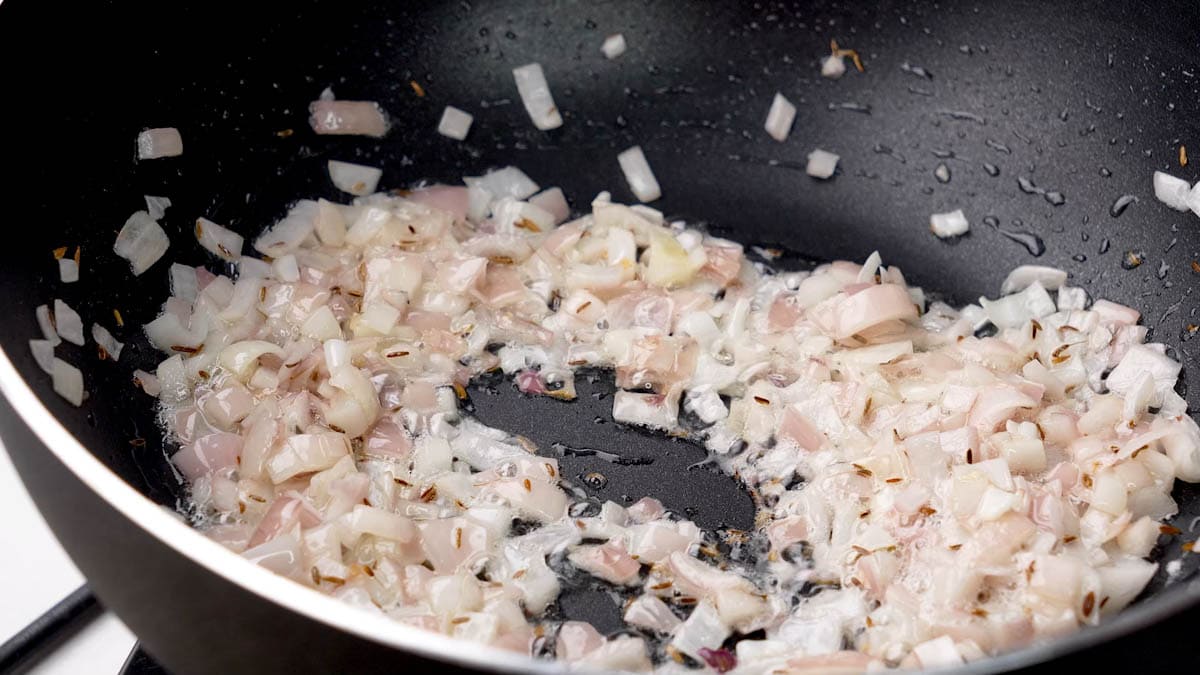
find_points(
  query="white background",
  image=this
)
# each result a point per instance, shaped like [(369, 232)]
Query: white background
[(35, 573)]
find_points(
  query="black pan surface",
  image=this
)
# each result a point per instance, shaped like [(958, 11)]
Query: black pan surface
[(1079, 101)]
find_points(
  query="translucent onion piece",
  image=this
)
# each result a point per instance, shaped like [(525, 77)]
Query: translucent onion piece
[(455, 123), (156, 143), (535, 94), (354, 179), (639, 175), (141, 241)]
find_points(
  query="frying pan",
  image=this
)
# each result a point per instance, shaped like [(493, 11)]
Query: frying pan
[(1080, 99)]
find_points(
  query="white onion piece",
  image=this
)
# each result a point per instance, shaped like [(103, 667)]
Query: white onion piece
[(455, 123), (253, 268), (46, 324), (67, 323), (305, 453), (1051, 278), (702, 630), (552, 201), (535, 94), (833, 66), (287, 235), (157, 206), (218, 239), (507, 182), (613, 46), (167, 333), (780, 118), (950, 224), (1139, 360), (1171, 191), (106, 340), (639, 175), (173, 380), (1071, 298), (141, 241), (183, 282), (821, 164), (241, 358), (1012, 311), (68, 270), (354, 179), (355, 118), (43, 354), (1193, 199), (286, 268), (162, 142), (147, 381), (68, 382)]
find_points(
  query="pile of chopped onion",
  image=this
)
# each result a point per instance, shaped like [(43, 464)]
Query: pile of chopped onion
[(951, 495)]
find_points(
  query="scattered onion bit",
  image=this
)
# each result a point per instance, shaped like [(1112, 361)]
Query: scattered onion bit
[(417, 88), (853, 54), (59, 252)]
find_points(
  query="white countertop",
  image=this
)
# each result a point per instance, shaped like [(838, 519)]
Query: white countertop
[(35, 573)]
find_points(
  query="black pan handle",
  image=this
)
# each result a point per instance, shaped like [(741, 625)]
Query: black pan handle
[(48, 631)]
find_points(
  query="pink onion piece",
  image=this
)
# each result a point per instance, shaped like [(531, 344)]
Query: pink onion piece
[(354, 118)]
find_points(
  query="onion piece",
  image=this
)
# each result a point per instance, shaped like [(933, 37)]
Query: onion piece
[(455, 123), (1171, 191), (288, 234), (780, 118), (1051, 278), (68, 270), (106, 340), (506, 182), (614, 46), (218, 239), (535, 94), (821, 164), (43, 354), (157, 207), (46, 324), (951, 224), (1193, 199), (833, 66), (184, 284), (354, 179), (67, 323), (639, 175), (354, 118), (68, 382), (141, 241), (161, 142), (552, 201)]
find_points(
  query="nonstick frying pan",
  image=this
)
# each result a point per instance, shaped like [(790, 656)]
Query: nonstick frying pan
[(1080, 99)]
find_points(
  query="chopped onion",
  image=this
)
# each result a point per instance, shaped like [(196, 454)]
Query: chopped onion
[(68, 270), (1051, 278), (354, 179), (552, 201), (106, 340), (287, 235), (68, 382), (833, 66), (355, 118), (507, 182), (67, 323), (141, 241), (821, 164), (218, 239), (1012, 311), (1171, 191), (614, 46), (535, 94), (147, 381), (780, 118), (639, 175), (183, 282), (1193, 199), (286, 268), (157, 206), (156, 143), (43, 354), (455, 123), (46, 323), (950, 224)]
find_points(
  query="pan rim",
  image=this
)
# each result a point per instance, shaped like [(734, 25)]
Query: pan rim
[(337, 615)]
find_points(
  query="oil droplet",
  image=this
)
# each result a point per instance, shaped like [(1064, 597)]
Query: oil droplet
[(916, 70), (595, 480), (1133, 259), (1104, 245), (1163, 268), (851, 106), (991, 169), (1105, 172), (881, 149), (991, 221), (1055, 198), (942, 173), (1118, 207), (1079, 257), (1029, 240), (1027, 186), (998, 146)]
